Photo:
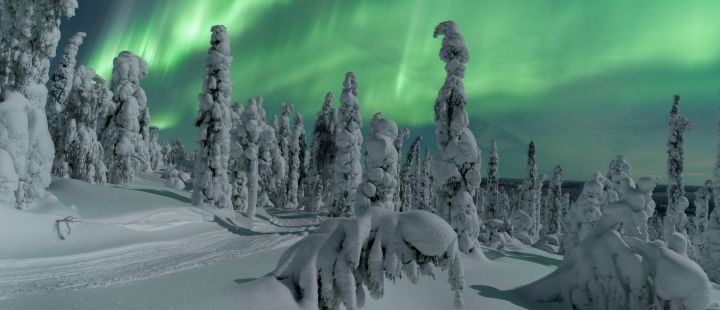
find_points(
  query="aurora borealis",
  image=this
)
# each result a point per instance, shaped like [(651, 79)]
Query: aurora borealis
[(585, 80)]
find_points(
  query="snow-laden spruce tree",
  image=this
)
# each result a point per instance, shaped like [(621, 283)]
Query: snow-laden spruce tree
[(584, 212), (531, 195), (238, 163), (456, 169), (299, 135), (406, 186), (611, 271), (347, 171), (492, 184), (711, 255), (272, 167), (552, 208), (336, 264), (247, 135), (283, 135), (61, 83), (145, 161), (322, 156), (381, 159), (121, 138), (403, 134), (155, 150), (81, 153), (177, 156), (296, 165), (423, 198), (210, 178), (675, 219), (698, 222), (29, 34)]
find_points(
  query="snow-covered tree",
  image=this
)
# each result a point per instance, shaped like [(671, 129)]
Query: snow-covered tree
[(272, 167), (145, 160), (698, 221), (456, 169), (423, 198), (492, 183), (211, 185), (403, 134), (61, 83), (531, 195), (81, 153), (246, 170), (29, 34), (335, 264), (618, 170), (406, 186), (552, 210), (347, 172), (584, 213), (121, 138), (674, 220), (296, 164), (381, 159), (611, 271), (283, 136), (299, 135), (322, 156), (711, 255), (155, 150), (177, 156)]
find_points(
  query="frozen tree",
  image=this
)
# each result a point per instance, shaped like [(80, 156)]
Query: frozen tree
[(176, 156), (492, 183), (698, 222), (121, 138), (381, 160), (406, 186), (246, 169), (584, 213), (81, 153), (611, 271), (335, 264), (674, 220), (155, 150), (303, 157), (145, 160), (423, 199), (322, 156), (456, 169), (296, 164), (272, 167), (618, 170), (403, 134), (61, 83), (283, 137), (211, 185), (174, 180), (29, 34), (552, 210), (711, 255), (347, 172), (531, 195)]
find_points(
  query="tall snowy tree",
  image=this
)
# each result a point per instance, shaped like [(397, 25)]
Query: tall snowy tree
[(247, 136), (296, 153), (155, 150), (145, 161), (403, 134), (456, 169), (322, 156), (283, 134), (423, 199), (406, 186), (381, 159), (531, 194), (299, 136), (121, 138), (29, 34), (271, 165), (552, 209), (492, 187), (61, 83), (210, 180), (347, 172), (674, 220)]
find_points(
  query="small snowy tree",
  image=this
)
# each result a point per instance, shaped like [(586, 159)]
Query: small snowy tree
[(211, 185), (347, 172), (121, 138), (406, 187), (155, 150), (29, 34), (176, 156), (456, 169), (674, 220), (552, 210), (322, 156), (336, 263), (492, 184), (381, 160)]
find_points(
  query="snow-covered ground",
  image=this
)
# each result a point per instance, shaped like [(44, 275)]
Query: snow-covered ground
[(145, 247)]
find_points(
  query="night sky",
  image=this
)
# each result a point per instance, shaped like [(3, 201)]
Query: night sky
[(585, 79)]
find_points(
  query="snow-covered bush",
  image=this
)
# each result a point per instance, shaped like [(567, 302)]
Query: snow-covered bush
[(347, 171), (121, 138), (29, 34), (344, 256), (609, 271), (456, 169), (174, 180), (322, 157), (381, 159), (211, 185)]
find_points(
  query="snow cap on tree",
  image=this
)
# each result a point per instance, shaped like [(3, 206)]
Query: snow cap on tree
[(381, 158)]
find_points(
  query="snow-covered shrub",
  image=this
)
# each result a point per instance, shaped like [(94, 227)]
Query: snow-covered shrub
[(121, 138), (322, 156), (29, 34), (211, 185), (174, 180), (609, 271), (345, 256), (456, 169), (347, 171), (381, 158)]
